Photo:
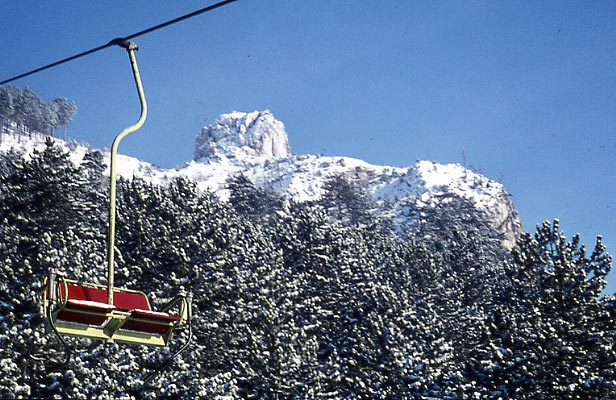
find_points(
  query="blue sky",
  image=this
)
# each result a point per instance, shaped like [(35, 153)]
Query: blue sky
[(526, 90)]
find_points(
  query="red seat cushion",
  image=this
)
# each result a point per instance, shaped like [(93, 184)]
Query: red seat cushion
[(78, 292), (150, 321), (74, 312)]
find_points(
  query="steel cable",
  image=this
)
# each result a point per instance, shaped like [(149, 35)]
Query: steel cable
[(120, 40)]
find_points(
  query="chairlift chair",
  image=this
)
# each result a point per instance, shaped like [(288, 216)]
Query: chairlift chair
[(108, 313)]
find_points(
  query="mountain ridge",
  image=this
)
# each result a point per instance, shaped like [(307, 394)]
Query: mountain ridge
[(256, 145)]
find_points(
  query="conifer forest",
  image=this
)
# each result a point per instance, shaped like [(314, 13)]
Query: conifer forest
[(320, 299)]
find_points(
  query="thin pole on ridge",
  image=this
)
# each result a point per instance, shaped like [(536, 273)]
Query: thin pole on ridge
[(130, 48)]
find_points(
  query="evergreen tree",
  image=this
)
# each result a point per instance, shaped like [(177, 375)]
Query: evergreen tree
[(7, 102), (44, 225), (28, 110), (553, 335), (260, 205), (93, 166), (65, 111), (346, 202)]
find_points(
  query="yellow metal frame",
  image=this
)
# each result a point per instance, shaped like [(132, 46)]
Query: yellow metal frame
[(130, 48), (111, 330)]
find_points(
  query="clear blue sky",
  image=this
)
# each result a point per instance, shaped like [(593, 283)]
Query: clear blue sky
[(526, 89)]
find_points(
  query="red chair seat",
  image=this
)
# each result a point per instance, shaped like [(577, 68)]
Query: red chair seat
[(150, 321), (78, 311), (86, 304), (154, 315)]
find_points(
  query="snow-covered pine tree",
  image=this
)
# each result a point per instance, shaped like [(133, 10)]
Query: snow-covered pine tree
[(45, 208), (65, 110), (26, 109), (552, 335), (457, 284), (258, 204), (7, 102), (346, 202)]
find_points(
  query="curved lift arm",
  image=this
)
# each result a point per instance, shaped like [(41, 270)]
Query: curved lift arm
[(130, 48), (185, 301)]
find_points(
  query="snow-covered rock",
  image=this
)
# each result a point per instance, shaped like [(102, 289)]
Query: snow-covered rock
[(427, 182), (240, 135)]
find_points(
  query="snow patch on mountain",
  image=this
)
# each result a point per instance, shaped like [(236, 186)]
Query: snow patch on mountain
[(128, 167), (427, 183)]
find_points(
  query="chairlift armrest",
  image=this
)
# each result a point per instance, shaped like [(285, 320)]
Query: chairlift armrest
[(172, 303), (53, 293), (185, 303)]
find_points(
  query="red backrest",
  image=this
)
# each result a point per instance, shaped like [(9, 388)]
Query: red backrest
[(121, 299), (130, 300)]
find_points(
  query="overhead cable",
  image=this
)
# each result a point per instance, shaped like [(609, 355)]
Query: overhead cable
[(120, 40)]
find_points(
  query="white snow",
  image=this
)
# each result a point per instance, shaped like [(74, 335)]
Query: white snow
[(91, 304)]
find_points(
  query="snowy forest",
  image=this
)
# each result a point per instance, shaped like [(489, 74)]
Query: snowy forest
[(314, 300), (24, 110)]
